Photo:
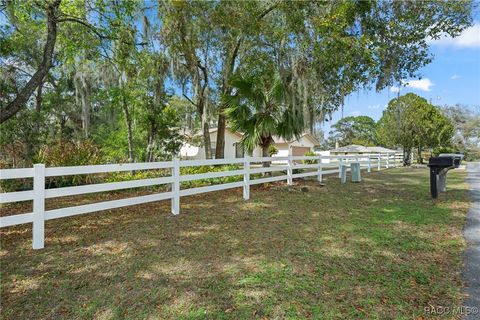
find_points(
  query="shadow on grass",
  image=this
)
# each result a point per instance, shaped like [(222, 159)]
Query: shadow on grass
[(376, 249)]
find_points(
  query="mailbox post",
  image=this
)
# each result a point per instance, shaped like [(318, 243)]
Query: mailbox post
[(439, 166)]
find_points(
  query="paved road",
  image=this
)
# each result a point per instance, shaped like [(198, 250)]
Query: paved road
[(471, 271)]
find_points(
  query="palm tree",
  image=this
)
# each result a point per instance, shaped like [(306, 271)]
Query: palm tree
[(261, 110)]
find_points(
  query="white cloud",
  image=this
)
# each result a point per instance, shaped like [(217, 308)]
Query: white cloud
[(469, 38), (394, 89), (375, 106), (355, 113), (455, 77), (422, 84)]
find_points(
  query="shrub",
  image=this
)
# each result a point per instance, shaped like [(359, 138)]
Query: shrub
[(55, 156), (67, 153), (11, 185), (310, 154), (205, 169), (148, 174), (440, 150), (272, 150)]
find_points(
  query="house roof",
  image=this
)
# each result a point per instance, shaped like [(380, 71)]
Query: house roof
[(355, 148), (380, 150), (306, 134), (239, 134), (211, 130), (275, 138), (351, 148)]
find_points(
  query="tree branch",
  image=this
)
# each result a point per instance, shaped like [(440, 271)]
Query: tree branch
[(84, 23), (68, 18), (270, 9), (190, 100), (24, 94)]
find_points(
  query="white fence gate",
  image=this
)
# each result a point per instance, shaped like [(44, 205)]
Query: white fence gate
[(39, 193)]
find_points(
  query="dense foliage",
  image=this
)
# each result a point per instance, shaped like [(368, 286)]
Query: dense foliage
[(260, 109), (466, 123), (130, 75), (411, 122), (354, 130)]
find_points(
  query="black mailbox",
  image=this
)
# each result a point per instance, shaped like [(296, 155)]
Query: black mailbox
[(439, 166)]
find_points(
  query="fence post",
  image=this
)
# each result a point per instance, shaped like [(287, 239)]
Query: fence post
[(319, 169), (369, 164), (38, 229), (379, 159), (388, 158), (290, 171), (176, 186), (246, 179), (339, 167)]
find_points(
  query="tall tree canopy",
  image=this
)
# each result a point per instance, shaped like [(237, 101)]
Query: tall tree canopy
[(113, 71), (411, 122), (466, 123), (355, 130), (260, 109)]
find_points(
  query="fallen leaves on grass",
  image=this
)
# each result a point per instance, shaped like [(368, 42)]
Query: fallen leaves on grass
[(377, 249)]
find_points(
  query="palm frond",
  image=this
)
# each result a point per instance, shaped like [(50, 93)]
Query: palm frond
[(260, 109)]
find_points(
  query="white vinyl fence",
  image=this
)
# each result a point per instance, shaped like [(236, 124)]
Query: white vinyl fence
[(248, 166)]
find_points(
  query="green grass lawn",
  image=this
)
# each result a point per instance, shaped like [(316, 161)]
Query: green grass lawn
[(381, 249)]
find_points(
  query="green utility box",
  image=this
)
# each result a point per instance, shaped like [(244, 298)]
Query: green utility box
[(343, 173), (356, 175)]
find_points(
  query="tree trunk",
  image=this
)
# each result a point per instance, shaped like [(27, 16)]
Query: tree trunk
[(311, 115), (63, 122), (266, 142), (201, 108), (148, 153), (32, 142), (130, 137), (206, 140), (14, 155), (419, 155), (407, 152), (38, 106), (265, 164), (128, 122), (85, 114), (38, 109), (221, 126), (265, 152), (29, 151), (221, 123), (150, 143), (24, 94), (189, 121)]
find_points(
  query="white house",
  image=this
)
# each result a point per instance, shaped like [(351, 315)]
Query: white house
[(324, 154), (354, 149), (233, 148)]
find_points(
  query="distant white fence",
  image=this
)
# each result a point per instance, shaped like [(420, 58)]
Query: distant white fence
[(248, 167)]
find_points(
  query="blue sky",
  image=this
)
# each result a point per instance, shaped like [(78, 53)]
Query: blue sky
[(453, 77)]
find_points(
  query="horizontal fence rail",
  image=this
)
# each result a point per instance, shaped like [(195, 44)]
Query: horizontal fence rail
[(287, 168)]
